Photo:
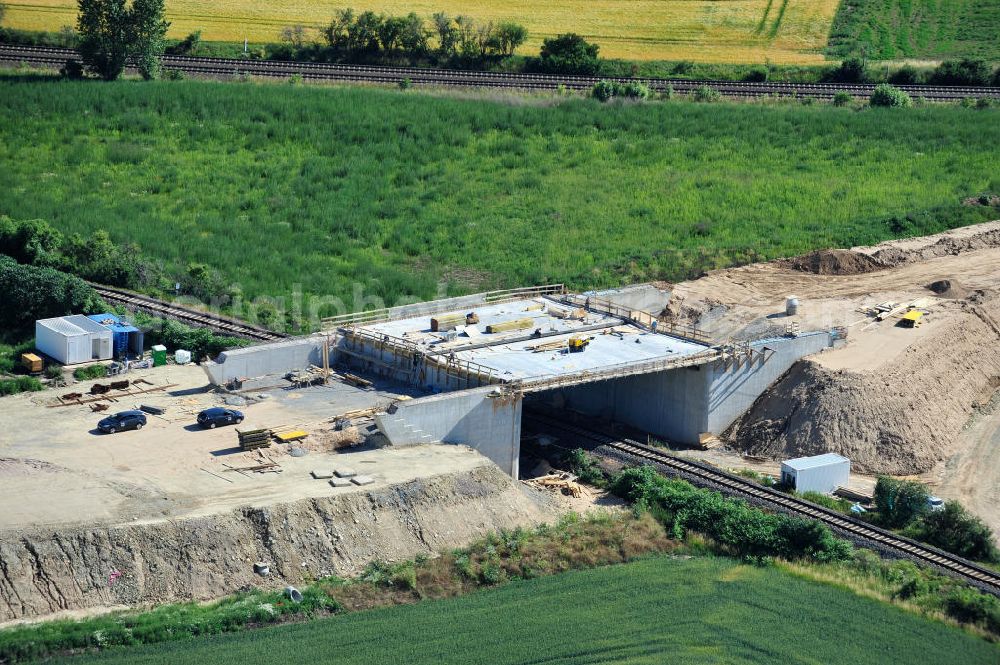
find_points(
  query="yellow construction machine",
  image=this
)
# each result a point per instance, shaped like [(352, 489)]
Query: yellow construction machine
[(578, 343)]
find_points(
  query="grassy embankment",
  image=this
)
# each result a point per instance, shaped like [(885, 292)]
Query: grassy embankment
[(916, 29), (385, 193), (680, 604), (782, 31)]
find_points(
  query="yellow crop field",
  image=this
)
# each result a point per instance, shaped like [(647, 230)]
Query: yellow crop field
[(740, 31)]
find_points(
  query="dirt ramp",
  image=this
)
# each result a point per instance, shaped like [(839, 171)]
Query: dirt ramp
[(46, 571), (900, 418)]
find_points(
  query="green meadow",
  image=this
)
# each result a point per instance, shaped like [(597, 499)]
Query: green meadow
[(392, 194)]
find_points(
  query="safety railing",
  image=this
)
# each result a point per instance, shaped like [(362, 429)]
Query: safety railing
[(437, 306)]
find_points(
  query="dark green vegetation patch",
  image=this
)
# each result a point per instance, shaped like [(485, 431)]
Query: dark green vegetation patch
[(651, 611), (896, 29), (330, 188)]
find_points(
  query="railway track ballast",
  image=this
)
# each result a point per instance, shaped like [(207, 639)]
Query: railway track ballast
[(55, 58), (216, 322)]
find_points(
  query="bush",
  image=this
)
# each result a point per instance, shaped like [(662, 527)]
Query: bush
[(757, 75), (957, 531), (21, 384), (899, 502), (605, 90), (173, 75), (842, 98), (907, 75), (90, 372), (569, 54), (73, 70), (707, 94), (738, 527), (888, 96), (968, 71), (851, 70)]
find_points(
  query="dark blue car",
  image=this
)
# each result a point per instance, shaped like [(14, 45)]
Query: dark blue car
[(122, 421), (212, 418)]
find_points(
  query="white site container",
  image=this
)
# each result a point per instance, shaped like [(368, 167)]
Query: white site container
[(821, 473), (182, 357), (73, 339)]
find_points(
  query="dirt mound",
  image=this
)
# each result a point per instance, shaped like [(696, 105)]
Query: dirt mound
[(948, 245), (835, 262), (899, 419), (45, 571), (948, 288)]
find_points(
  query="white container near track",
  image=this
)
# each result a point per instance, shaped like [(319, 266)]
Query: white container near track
[(820, 473), (182, 357)]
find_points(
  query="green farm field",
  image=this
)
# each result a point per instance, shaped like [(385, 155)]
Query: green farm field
[(917, 29), (740, 31), (387, 193), (652, 611)]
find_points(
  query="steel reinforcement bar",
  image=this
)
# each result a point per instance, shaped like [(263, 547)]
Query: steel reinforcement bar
[(981, 577), (194, 317), (215, 67)]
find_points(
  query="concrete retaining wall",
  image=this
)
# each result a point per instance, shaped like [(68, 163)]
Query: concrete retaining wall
[(477, 418), (262, 359), (730, 392)]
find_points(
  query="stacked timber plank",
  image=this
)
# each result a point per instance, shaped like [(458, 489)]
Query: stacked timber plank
[(252, 437), (507, 326)]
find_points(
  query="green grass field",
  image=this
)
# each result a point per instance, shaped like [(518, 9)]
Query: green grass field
[(651, 611), (382, 193), (921, 29)]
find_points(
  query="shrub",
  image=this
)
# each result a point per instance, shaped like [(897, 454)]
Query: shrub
[(968, 605), (968, 71), (21, 384), (173, 75), (757, 75), (738, 527), (842, 98), (889, 96), (899, 502), (90, 372), (851, 70), (569, 54), (73, 70), (955, 530), (907, 75), (405, 84), (604, 90), (707, 93)]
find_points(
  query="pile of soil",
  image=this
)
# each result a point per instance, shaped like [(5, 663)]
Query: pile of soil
[(898, 419), (835, 262), (948, 288), (948, 245)]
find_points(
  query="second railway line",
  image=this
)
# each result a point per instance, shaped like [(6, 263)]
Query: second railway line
[(54, 58)]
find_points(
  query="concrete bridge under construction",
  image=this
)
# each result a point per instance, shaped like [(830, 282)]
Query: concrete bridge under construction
[(474, 361), (482, 360)]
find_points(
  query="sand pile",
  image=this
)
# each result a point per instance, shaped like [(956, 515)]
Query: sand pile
[(898, 419), (835, 262)]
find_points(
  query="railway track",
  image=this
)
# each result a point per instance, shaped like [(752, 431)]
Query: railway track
[(194, 317), (981, 577), (54, 58)]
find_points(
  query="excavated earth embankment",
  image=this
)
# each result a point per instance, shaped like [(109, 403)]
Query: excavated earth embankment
[(899, 418), (51, 570)]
